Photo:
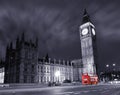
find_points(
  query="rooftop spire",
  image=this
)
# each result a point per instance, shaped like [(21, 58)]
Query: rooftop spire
[(36, 42), (23, 37), (85, 12), (47, 57), (17, 42), (11, 45), (86, 17)]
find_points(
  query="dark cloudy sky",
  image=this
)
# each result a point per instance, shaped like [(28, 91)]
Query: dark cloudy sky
[(56, 24)]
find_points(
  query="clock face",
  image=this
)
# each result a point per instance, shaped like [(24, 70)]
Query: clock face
[(93, 31), (85, 31)]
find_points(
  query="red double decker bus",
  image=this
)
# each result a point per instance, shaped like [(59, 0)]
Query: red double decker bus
[(89, 80)]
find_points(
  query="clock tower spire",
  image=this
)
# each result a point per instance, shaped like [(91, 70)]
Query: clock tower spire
[(86, 17), (88, 45)]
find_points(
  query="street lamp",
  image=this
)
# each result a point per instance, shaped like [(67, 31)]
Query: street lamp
[(107, 73), (113, 73), (114, 66), (101, 76), (107, 65), (57, 75)]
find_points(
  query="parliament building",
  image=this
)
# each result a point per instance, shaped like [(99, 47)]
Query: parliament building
[(23, 65)]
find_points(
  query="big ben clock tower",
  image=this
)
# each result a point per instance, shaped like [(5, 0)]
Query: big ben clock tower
[(88, 45)]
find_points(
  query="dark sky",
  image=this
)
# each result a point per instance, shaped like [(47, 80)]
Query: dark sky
[(56, 24)]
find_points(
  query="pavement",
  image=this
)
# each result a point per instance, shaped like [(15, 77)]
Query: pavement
[(101, 89)]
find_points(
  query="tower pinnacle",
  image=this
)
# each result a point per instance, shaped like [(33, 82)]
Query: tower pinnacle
[(86, 17)]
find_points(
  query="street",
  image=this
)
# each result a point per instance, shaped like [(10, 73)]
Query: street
[(104, 89)]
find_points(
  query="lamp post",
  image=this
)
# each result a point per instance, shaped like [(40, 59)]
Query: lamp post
[(101, 76), (113, 71), (107, 66), (114, 66), (57, 75)]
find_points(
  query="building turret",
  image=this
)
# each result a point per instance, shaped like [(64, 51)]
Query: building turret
[(86, 17), (7, 49), (23, 37), (11, 45), (47, 58), (36, 42), (17, 42)]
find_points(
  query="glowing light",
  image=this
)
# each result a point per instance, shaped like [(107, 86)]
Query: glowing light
[(85, 31), (114, 64), (57, 73), (93, 31), (107, 65)]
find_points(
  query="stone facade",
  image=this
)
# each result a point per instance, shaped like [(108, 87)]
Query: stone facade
[(2, 72), (88, 45), (48, 68), (21, 62), (22, 65), (77, 69)]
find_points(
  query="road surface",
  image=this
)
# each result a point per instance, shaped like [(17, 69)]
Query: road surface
[(64, 90)]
